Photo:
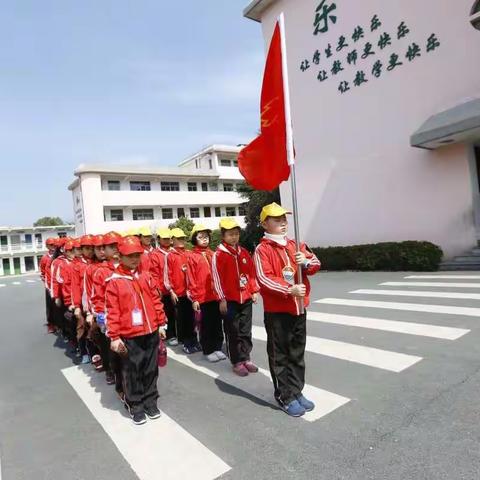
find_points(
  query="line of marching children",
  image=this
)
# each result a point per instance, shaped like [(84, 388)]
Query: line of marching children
[(116, 299)]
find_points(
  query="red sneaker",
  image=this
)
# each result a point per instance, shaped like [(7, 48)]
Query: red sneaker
[(250, 366), (240, 370)]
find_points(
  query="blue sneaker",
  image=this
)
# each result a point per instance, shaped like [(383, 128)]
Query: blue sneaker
[(294, 409), (308, 405)]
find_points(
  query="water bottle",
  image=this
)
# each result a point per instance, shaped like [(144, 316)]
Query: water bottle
[(162, 353)]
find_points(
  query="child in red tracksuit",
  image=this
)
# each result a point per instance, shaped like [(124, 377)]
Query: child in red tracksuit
[(203, 296), (135, 320), (277, 263), (236, 286), (175, 281)]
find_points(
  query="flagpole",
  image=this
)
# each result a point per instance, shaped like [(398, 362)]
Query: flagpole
[(290, 148)]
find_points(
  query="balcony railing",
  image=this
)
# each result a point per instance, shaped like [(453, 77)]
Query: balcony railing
[(22, 247)]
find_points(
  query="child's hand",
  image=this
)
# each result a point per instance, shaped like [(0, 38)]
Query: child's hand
[(162, 331), (223, 307), (118, 346), (89, 318), (300, 258), (299, 290), (255, 297), (196, 306), (174, 297)]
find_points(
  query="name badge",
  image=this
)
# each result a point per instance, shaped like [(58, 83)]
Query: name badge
[(243, 281), (137, 317), (289, 275)]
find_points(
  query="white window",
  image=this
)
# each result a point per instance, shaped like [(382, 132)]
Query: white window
[(228, 187), (225, 163), (180, 212), (143, 213), (231, 211), (242, 210), (207, 212), (170, 186), (167, 213), (113, 185), (192, 186), (140, 186), (204, 187), (235, 163), (194, 212), (218, 211), (213, 186), (116, 215)]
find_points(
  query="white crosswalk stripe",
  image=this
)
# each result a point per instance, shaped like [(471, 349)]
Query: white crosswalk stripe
[(2, 285), (425, 330), (412, 307), (414, 293), (16, 283), (431, 284), (260, 386), (31, 281), (372, 357), (445, 277), (179, 456)]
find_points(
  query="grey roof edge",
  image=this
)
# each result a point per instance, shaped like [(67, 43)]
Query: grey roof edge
[(254, 10), (461, 118)]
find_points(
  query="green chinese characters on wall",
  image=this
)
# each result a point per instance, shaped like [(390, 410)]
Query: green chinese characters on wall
[(352, 60)]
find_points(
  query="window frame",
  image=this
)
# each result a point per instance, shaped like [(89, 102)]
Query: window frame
[(196, 209), (226, 187), (209, 210), (218, 212), (175, 185), (192, 186), (135, 212), (165, 211), (116, 182), (116, 210), (227, 214), (178, 212)]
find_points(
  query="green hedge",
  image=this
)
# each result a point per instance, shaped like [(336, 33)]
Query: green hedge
[(408, 256)]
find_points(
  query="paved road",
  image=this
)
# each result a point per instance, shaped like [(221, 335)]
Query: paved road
[(394, 369)]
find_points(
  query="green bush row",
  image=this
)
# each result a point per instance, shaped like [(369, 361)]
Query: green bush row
[(389, 256)]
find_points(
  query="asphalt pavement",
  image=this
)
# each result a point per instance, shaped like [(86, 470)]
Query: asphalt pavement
[(394, 370)]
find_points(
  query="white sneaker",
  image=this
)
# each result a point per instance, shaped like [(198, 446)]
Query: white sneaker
[(173, 342), (220, 355), (213, 357)]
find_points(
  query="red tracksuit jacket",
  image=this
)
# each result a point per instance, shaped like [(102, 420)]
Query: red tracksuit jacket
[(126, 293), (157, 268), (145, 260), (79, 267), (54, 284), (234, 274), (45, 262), (199, 276), (100, 275), (175, 277), (87, 292), (63, 280), (48, 272), (274, 264)]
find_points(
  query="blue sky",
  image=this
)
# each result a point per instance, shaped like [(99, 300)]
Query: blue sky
[(129, 82)]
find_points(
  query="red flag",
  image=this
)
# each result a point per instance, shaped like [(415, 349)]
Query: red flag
[(263, 163)]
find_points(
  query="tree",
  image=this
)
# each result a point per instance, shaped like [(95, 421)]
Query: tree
[(48, 222), (185, 224), (255, 201)]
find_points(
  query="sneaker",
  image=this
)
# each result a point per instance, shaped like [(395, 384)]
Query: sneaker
[(172, 342), (308, 405), (240, 370), (294, 409), (139, 418), (220, 355), (212, 357), (110, 378), (152, 412), (250, 366), (189, 350), (198, 347), (85, 359)]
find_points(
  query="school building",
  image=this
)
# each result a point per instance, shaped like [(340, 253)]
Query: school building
[(385, 100), (21, 248), (203, 187)]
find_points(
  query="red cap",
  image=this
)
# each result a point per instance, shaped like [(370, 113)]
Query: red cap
[(76, 243), (129, 245), (50, 241), (98, 240), (68, 245), (86, 241), (111, 237)]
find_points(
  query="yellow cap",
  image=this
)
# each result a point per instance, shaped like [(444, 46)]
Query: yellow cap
[(131, 231), (144, 231), (199, 228), (177, 233), (228, 223), (272, 210), (164, 233)]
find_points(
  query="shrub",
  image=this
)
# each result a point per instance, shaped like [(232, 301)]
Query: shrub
[(388, 256)]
